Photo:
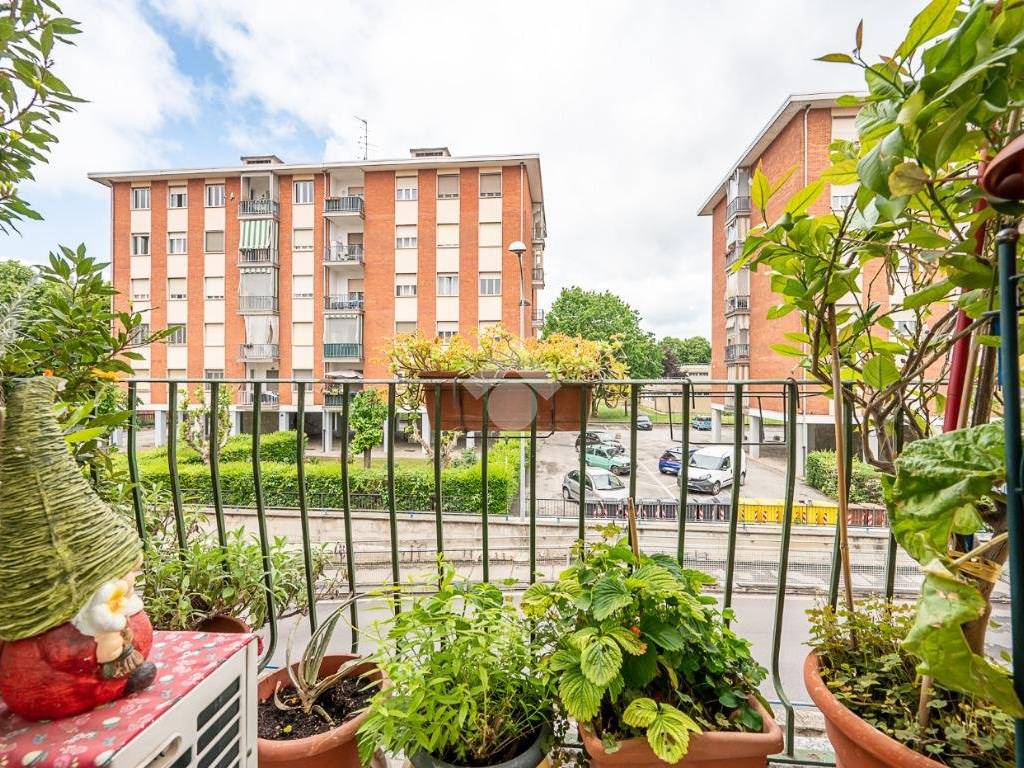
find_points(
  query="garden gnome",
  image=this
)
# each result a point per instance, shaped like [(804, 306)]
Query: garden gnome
[(73, 631)]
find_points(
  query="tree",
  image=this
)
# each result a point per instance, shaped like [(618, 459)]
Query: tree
[(696, 350), (32, 97), (369, 412), (603, 316), (194, 428)]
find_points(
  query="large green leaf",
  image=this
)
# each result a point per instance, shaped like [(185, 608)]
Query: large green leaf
[(880, 371), (664, 635), (805, 198), (610, 594), (638, 671), (929, 295), (668, 729), (601, 660), (907, 179), (581, 698), (932, 21)]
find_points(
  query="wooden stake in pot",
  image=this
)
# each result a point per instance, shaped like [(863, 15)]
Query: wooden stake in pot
[(844, 495)]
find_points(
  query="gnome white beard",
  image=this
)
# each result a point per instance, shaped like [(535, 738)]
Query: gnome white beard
[(106, 615)]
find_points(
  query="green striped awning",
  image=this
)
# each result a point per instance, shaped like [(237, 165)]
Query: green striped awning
[(258, 233)]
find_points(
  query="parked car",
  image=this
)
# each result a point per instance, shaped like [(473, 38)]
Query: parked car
[(602, 485), (596, 436), (668, 464), (643, 422), (701, 423), (711, 469), (605, 456)]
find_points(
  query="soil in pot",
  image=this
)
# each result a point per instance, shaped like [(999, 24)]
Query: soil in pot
[(340, 701)]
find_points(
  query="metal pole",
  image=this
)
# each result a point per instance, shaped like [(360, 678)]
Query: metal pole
[(522, 335), (1009, 351)]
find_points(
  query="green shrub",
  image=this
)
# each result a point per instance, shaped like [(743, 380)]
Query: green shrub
[(865, 482), (274, 446)]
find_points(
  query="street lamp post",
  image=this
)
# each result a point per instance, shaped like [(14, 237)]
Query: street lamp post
[(518, 248)]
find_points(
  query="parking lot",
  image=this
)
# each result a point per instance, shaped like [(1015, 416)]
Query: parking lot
[(557, 454)]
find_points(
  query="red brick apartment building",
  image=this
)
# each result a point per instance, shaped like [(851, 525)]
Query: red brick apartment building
[(797, 136), (276, 270)]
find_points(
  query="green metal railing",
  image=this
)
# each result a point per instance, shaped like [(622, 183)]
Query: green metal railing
[(733, 394)]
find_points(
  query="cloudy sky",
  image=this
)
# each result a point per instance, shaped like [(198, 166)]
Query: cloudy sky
[(636, 108)]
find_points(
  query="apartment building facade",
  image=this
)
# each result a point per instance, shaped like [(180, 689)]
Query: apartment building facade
[(271, 270), (796, 137)]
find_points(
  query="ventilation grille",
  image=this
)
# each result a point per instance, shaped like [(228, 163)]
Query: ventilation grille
[(219, 730)]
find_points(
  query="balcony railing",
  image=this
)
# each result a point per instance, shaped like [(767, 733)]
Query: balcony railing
[(257, 303), (738, 206), (340, 253), (736, 304), (396, 536), (258, 352), (257, 256), (268, 398), (257, 208), (538, 318), (538, 275), (343, 351), (346, 204), (737, 353), (344, 301)]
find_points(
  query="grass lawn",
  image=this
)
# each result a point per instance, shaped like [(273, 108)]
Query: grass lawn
[(620, 415)]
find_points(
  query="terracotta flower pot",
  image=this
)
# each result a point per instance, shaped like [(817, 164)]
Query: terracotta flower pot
[(223, 624), (335, 748), (532, 758), (510, 405), (711, 749), (857, 744)]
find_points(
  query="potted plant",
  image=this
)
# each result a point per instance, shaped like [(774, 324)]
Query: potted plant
[(899, 689), (646, 664), (465, 684), (563, 362), (309, 712)]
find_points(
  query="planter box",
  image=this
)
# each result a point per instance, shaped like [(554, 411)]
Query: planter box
[(711, 749), (510, 404), (857, 743), (533, 757)]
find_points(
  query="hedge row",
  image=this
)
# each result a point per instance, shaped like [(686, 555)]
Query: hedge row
[(865, 483), (274, 446)]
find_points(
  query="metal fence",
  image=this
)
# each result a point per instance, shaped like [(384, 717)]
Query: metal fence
[(733, 394)]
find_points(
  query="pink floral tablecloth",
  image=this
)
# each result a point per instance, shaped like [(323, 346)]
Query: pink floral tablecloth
[(183, 660)]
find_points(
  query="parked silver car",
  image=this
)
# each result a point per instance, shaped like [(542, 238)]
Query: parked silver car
[(602, 485)]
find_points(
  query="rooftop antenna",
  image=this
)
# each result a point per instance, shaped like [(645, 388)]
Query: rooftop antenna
[(364, 141)]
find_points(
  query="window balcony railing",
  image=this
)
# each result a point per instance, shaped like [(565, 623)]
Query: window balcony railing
[(343, 351), (538, 318), (268, 397), (702, 532), (538, 276), (353, 301), (346, 204), (340, 253), (258, 352), (257, 303), (737, 353), (257, 256), (257, 208), (735, 304), (738, 206)]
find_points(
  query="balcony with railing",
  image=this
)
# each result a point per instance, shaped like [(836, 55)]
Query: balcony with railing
[(257, 304), (344, 205), (255, 257), (343, 351), (738, 206), (538, 276), (538, 318), (344, 301), (735, 304), (257, 353), (259, 208), (737, 353), (269, 398), (343, 253)]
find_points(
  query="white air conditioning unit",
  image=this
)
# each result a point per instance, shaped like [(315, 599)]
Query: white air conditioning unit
[(212, 726)]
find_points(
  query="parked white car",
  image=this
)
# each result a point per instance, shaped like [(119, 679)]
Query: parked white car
[(602, 485), (711, 469)]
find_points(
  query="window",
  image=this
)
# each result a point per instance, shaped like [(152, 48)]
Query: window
[(840, 202), (214, 195), (448, 284), (405, 285), (177, 197), (448, 187), (177, 288), (405, 236), (140, 245), (140, 198), (140, 289), (302, 286), (303, 192), (405, 327), (213, 373), (141, 333), (213, 334), (490, 284), (215, 287), (302, 239), (302, 334), (177, 336), (177, 374), (406, 188), (446, 330), (489, 236), (490, 185), (177, 242), (447, 235), (306, 377), (215, 241)]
